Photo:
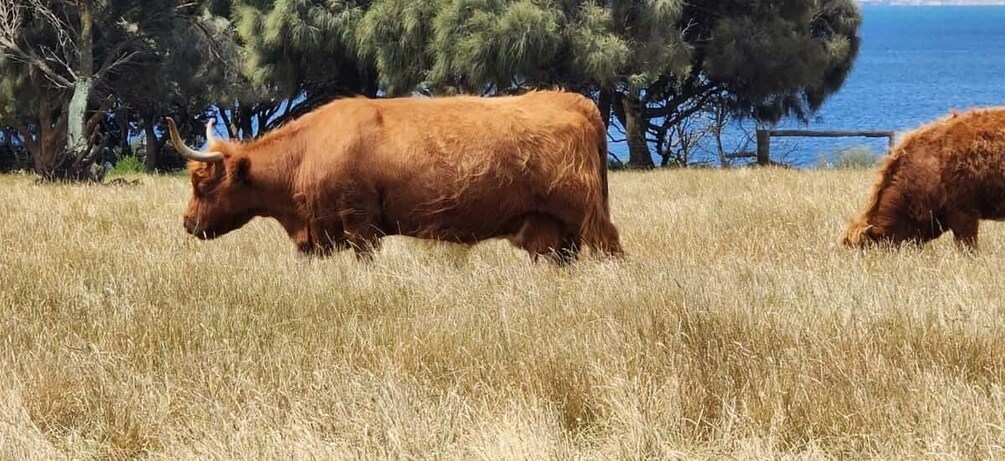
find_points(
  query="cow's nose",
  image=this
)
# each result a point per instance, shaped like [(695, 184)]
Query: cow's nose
[(190, 225)]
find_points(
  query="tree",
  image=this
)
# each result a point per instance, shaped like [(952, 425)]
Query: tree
[(492, 46), (62, 65), (650, 65), (761, 60), (393, 36), (191, 67), (650, 32), (296, 55), (777, 59)]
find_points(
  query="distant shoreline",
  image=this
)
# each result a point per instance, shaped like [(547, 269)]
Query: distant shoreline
[(931, 3)]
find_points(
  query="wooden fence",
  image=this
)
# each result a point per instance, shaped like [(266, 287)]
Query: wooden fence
[(764, 139)]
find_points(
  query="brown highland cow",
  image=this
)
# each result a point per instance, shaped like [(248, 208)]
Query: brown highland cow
[(947, 175), (530, 168)]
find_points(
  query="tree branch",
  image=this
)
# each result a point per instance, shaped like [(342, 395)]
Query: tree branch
[(98, 115), (226, 122), (11, 19), (108, 66), (15, 52)]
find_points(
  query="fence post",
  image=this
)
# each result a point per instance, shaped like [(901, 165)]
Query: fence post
[(763, 147)]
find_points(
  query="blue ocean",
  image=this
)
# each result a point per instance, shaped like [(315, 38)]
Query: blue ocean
[(915, 65)]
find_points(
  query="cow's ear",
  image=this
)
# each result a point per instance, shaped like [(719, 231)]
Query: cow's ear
[(238, 171)]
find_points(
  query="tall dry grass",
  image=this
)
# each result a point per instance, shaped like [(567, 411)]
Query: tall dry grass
[(736, 327)]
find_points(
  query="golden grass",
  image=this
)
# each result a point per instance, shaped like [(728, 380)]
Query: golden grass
[(736, 327)]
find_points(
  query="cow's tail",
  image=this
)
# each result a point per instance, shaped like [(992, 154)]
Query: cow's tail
[(597, 230), (855, 234)]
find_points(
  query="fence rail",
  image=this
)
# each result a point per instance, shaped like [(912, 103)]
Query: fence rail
[(764, 138)]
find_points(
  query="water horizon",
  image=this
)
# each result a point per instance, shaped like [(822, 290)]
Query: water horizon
[(916, 64)]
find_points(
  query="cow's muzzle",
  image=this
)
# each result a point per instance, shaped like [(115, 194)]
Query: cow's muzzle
[(192, 227)]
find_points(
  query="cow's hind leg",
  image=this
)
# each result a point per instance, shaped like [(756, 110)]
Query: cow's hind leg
[(608, 241), (542, 235), (568, 249), (964, 227), (576, 211)]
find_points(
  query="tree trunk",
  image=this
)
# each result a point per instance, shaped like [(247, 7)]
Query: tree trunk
[(47, 141), (639, 155), (604, 103), (46, 148), (244, 122), (154, 144), (122, 118), (372, 86), (76, 137), (7, 148), (717, 128)]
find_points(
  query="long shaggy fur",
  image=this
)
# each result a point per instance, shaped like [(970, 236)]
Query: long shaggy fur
[(946, 175), (855, 233), (532, 168)]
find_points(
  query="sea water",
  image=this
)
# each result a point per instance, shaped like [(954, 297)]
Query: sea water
[(915, 65)]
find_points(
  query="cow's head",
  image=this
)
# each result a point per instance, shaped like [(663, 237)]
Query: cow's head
[(892, 222), (856, 234), (221, 200), (862, 234)]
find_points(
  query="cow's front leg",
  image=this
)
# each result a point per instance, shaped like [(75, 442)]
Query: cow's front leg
[(300, 232), (317, 228), (328, 237), (319, 238), (363, 235), (361, 221), (964, 227)]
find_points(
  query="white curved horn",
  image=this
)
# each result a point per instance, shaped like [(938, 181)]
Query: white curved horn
[(188, 152), (209, 130)]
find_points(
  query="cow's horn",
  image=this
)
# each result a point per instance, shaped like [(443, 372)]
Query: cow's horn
[(188, 152), (209, 131)]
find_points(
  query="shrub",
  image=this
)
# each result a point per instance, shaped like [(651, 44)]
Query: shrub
[(127, 165), (857, 157)]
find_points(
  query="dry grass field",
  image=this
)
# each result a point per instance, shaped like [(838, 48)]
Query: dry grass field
[(735, 328)]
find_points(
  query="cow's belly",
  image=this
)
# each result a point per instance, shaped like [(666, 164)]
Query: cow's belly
[(466, 218), (455, 228), (992, 206)]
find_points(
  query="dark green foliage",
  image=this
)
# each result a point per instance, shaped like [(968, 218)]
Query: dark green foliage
[(492, 44), (259, 63), (127, 165), (598, 53), (393, 35), (288, 41), (294, 56), (775, 59), (67, 64)]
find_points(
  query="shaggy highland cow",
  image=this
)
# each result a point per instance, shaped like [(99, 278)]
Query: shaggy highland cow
[(947, 175), (530, 168)]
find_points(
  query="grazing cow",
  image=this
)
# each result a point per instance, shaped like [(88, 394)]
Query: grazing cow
[(947, 175), (530, 168)]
